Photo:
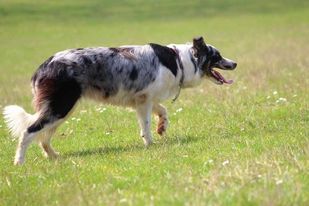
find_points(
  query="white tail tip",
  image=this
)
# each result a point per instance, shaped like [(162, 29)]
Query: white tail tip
[(17, 119)]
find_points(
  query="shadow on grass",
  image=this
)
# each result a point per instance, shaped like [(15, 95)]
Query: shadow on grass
[(164, 142)]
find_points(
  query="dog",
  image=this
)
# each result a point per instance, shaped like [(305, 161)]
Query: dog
[(134, 76)]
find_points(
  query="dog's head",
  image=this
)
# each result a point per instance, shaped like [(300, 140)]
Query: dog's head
[(208, 58)]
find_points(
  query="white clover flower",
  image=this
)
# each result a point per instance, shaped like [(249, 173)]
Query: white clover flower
[(281, 100), (279, 182), (225, 162)]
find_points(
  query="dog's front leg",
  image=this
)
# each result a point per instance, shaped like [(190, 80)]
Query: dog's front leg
[(160, 110), (144, 118)]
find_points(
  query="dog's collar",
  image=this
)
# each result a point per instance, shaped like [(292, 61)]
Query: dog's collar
[(182, 72)]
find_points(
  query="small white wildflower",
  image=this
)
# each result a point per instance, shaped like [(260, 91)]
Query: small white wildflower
[(0, 126), (279, 182), (102, 110), (208, 162), (73, 118), (123, 200), (275, 92), (179, 110), (259, 176), (130, 110), (107, 133), (67, 122), (225, 162), (281, 100), (78, 119), (268, 97), (8, 181), (242, 129), (295, 95)]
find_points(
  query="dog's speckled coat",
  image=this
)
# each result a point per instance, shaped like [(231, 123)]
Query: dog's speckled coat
[(137, 76)]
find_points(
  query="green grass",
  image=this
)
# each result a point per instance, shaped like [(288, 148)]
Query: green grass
[(229, 145)]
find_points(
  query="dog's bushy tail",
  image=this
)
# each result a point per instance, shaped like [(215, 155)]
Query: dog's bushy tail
[(17, 119)]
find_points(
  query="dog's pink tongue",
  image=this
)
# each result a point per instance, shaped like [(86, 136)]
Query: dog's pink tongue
[(222, 78), (230, 81)]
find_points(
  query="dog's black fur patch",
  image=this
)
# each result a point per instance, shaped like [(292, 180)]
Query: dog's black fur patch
[(57, 85), (64, 97), (38, 125), (42, 66), (133, 74), (166, 56)]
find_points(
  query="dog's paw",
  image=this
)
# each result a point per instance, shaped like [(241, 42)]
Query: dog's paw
[(18, 161), (147, 143), (52, 155), (161, 130), (162, 126), (147, 139)]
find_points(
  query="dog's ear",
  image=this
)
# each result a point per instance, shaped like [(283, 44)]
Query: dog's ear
[(199, 44)]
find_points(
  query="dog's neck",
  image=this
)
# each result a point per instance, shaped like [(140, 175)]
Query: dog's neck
[(191, 72)]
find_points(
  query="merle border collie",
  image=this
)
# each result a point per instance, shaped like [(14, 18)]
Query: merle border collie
[(136, 76)]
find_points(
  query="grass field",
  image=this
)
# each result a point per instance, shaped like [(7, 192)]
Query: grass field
[(244, 144)]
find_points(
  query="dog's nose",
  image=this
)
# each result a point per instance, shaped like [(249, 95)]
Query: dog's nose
[(234, 65)]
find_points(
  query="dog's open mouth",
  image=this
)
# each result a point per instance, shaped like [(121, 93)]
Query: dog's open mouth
[(216, 75)]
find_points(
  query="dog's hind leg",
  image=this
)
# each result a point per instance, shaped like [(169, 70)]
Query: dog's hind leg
[(22, 146), (39, 126), (43, 128), (45, 143), (54, 100), (144, 118), (24, 126), (161, 112)]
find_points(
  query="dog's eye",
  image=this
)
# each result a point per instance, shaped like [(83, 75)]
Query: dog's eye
[(217, 57)]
